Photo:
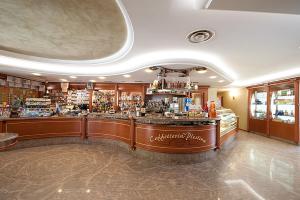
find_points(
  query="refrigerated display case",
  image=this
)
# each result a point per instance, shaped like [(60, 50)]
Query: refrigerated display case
[(228, 123)]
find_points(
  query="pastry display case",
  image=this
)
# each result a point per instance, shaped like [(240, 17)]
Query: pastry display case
[(229, 121)]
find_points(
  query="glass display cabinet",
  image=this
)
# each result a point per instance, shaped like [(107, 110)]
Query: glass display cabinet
[(258, 105), (258, 109), (283, 105), (282, 116), (274, 111)]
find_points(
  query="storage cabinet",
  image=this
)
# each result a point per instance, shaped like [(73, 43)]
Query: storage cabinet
[(274, 110)]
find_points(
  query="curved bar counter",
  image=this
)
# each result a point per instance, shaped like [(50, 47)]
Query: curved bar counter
[(162, 135)]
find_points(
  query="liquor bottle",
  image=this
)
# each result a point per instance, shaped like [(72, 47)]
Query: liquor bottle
[(138, 110), (143, 110)]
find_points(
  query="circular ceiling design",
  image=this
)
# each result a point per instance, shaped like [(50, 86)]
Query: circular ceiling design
[(59, 29), (200, 36)]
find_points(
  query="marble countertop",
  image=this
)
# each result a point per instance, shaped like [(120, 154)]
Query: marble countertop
[(32, 118), (144, 120), (165, 120), (155, 119)]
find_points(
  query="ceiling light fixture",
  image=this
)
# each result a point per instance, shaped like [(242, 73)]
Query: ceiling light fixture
[(127, 75), (64, 80), (213, 77), (221, 81), (73, 77), (102, 77), (202, 71), (36, 74), (148, 70)]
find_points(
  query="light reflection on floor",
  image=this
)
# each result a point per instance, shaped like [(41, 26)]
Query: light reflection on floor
[(252, 167)]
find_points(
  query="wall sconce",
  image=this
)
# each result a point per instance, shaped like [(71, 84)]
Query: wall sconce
[(234, 92)]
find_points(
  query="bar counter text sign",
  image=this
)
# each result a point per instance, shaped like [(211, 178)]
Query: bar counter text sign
[(187, 136)]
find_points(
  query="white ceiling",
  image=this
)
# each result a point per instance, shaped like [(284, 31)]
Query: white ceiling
[(248, 47), (273, 6)]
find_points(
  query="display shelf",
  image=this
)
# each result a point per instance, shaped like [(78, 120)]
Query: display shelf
[(103, 100), (37, 107), (130, 100), (58, 97), (258, 106), (78, 97), (283, 106)]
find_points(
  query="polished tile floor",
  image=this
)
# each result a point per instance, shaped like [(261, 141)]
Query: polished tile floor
[(252, 167)]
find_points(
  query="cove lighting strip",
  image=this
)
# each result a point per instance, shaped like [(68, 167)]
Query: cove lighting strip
[(267, 78), (127, 65)]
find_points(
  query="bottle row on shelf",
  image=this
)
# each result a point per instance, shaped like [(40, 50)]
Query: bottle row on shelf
[(103, 100), (78, 97)]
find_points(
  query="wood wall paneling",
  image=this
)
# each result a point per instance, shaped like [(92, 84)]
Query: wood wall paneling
[(258, 126), (282, 130)]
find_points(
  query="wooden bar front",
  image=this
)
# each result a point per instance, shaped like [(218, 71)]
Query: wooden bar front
[(34, 128), (164, 138), (112, 129), (176, 139)]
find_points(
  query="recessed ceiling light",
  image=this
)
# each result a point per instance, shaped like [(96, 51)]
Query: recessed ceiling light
[(64, 80), (102, 77), (148, 70), (36, 74), (73, 77), (93, 81), (127, 75), (213, 77), (221, 81), (202, 71)]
